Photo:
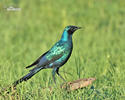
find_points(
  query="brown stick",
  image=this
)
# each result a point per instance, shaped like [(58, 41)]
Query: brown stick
[(78, 84)]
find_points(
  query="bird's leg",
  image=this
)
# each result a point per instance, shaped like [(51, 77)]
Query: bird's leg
[(53, 75), (57, 71)]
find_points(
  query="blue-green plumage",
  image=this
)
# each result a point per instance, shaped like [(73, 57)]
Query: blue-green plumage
[(55, 57)]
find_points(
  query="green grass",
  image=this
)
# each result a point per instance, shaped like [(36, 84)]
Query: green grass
[(99, 49)]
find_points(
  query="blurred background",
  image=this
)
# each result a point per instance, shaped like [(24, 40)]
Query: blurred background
[(99, 48)]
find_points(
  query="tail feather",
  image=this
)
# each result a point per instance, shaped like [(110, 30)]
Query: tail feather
[(27, 76)]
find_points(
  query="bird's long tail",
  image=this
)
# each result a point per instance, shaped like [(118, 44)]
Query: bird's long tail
[(27, 76)]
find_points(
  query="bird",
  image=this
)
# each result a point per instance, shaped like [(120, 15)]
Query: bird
[(55, 57)]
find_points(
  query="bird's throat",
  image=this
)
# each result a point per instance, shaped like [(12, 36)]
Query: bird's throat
[(66, 36)]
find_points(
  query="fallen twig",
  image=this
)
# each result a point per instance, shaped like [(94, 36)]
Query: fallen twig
[(78, 84)]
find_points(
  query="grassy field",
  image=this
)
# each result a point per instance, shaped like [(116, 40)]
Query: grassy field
[(99, 49)]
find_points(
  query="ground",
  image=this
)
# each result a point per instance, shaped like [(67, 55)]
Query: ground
[(99, 48)]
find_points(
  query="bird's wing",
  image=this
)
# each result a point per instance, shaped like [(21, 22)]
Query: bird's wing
[(50, 56), (37, 61), (56, 52)]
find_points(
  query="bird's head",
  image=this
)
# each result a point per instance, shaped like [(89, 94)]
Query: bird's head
[(71, 29), (68, 32)]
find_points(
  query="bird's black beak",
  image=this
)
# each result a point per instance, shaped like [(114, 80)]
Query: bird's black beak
[(79, 27)]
